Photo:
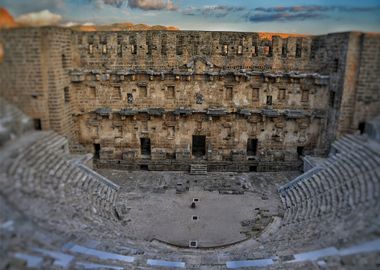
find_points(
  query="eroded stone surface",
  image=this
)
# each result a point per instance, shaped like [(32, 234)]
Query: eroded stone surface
[(109, 91)]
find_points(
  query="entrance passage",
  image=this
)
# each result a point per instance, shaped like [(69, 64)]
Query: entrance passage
[(251, 147), (300, 150), (96, 151), (199, 146), (145, 146), (361, 127), (37, 124)]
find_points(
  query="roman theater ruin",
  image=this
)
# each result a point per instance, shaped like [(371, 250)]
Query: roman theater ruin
[(189, 150)]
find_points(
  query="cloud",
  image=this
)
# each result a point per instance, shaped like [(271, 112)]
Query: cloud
[(293, 9), (70, 24), (315, 8), (137, 4), (284, 17), (116, 3), (212, 10), (152, 4), (301, 13), (42, 18), (19, 7)]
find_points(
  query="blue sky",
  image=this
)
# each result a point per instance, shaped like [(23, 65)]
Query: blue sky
[(291, 16)]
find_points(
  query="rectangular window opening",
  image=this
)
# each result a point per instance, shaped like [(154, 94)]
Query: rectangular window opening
[(299, 49), (284, 50), (119, 50), (225, 49), (90, 49), (104, 49), (133, 49), (254, 51)]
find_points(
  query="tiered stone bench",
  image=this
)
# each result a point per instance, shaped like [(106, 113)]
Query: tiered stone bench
[(42, 169)]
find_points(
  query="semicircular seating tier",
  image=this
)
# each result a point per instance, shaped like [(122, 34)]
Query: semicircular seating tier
[(57, 213)]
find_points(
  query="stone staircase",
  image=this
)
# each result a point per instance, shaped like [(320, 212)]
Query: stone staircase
[(198, 169)]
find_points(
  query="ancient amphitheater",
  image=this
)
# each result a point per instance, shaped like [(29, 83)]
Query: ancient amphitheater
[(189, 150)]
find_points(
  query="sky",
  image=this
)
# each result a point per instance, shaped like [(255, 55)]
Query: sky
[(286, 16)]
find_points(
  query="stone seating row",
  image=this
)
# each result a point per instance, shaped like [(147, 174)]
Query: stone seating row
[(347, 173), (340, 201), (344, 225), (354, 192), (74, 256), (41, 168), (347, 143), (329, 229), (291, 239)]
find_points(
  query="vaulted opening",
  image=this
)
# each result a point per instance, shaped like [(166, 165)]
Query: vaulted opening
[(145, 146), (96, 151), (252, 147), (361, 127), (37, 124), (300, 151), (199, 145)]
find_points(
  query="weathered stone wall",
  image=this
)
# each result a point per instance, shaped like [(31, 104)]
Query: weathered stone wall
[(106, 117), (354, 63), (34, 74), (163, 50), (58, 49), (110, 89), (22, 76), (367, 101)]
